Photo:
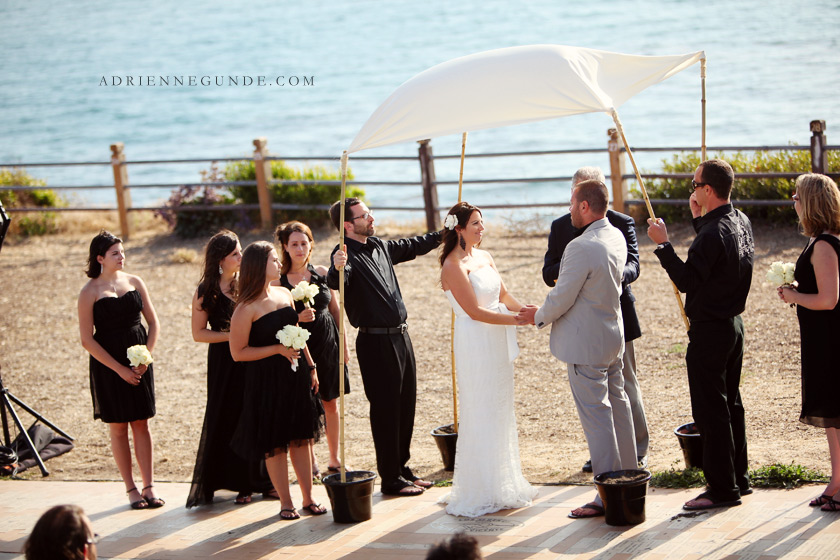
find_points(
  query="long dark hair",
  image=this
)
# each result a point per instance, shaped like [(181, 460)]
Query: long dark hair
[(60, 533), (209, 287), (282, 235), (462, 212), (98, 247), (252, 271)]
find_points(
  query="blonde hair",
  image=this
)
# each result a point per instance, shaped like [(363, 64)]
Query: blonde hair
[(819, 204)]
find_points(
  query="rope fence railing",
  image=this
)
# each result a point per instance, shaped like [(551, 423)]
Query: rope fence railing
[(427, 181)]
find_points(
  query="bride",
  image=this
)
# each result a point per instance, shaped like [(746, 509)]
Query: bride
[(488, 475)]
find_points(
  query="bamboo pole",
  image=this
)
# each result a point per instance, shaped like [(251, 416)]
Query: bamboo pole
[(452, 316), (703, 109), (341, 320), (647, 203)]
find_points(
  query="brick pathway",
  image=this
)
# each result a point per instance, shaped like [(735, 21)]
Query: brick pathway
[(771, 524)]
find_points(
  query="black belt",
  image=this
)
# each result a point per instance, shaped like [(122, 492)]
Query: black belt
[(384, 330)]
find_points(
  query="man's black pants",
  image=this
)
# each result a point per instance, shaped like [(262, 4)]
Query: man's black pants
[(389, 375), (714, 356)]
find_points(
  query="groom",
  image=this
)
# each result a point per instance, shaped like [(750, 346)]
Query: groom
[(588, 334), (383, 348)]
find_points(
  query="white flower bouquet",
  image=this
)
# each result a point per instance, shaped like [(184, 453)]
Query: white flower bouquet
[(293, 336), (781, 274), (305, 292), (139, 354)]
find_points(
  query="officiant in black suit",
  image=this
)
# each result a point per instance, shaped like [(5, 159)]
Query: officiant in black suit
[(562, 232)]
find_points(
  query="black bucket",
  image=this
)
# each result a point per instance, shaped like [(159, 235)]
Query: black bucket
[(691, 444), (623, 494), (446, 439), (351, 500)]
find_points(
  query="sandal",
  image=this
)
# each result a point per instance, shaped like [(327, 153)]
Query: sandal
[(831, 505), (153, 503), (242, 498), (820, 500), (315, 509), (599, 511), (292, 514), (401, 487), (271, 495), (416, 480), (712, 503), (139, 504)]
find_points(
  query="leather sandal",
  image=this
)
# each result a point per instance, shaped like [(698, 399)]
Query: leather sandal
[(314, 509), (820, 500), (154, 503), (599, 511), (831, 505), (139, 504)]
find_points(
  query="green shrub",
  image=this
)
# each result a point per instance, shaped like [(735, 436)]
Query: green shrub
[(291, 193), (771, 476), (784, 161), (30, 223), (202, 223)]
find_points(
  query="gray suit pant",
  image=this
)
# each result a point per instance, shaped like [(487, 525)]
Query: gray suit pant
[(605, 415), (634, 394)]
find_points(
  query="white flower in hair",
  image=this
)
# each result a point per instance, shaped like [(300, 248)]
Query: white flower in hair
[(450, 222)]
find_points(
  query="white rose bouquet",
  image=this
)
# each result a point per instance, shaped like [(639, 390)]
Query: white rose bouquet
[(293, 336), (139, 354), (781, 274), (306, 293)]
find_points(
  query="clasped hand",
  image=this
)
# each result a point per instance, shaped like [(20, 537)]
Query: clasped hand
[(526, 314), (289, 353), (307, 315)]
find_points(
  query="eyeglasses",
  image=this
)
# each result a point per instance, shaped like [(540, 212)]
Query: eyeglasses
[(695, 185), (364, 216), (795, 198)]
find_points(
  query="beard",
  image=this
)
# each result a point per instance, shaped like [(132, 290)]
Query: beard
[(367, 230)]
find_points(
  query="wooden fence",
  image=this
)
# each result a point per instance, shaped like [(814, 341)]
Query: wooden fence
[(619, 177)]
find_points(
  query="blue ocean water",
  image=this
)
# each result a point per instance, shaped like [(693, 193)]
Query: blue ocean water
[(773, 66)]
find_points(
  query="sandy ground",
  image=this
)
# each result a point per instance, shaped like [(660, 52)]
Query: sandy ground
[(44, 364)]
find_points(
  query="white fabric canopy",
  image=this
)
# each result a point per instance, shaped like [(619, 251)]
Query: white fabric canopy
[(512, 86)]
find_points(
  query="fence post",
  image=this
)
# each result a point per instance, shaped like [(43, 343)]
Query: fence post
[(263, 170), (819, 157), (619, 186), (121, 187), (427, 176)]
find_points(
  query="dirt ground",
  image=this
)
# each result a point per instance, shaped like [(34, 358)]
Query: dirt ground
[(44, 364)]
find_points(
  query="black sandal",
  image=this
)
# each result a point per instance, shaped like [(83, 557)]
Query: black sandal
[(399, 488), (139, 504), (315, 509), (293, 514), (153, 503), (820, 500), (831, 504)]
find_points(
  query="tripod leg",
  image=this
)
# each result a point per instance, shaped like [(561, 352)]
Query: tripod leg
[(23, 432), (37, 416), (6, 439)]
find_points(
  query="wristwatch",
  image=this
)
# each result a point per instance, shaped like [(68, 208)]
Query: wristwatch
[(663, 245)]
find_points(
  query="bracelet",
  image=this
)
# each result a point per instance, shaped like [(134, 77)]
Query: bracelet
[(311, 367)]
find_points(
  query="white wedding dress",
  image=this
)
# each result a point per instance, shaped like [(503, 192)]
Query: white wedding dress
[(488, 474)]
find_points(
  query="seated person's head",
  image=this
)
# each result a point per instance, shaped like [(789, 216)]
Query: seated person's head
[(62, 533), (459, 547)]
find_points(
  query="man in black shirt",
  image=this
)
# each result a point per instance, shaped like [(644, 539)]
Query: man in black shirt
[(716, 279), (375, 306)]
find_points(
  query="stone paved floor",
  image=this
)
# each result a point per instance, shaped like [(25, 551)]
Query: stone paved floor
[(770, 524)]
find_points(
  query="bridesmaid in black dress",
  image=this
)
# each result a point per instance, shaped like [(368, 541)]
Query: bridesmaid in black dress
[(217, 466), (817, 202), (295, 239), (283, 412), (110, 305)]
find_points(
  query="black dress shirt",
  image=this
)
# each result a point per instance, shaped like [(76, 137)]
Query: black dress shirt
[(562, 232), (717, 273), (372, 295)]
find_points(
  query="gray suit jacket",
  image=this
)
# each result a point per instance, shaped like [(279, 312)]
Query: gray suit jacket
[(583, 307)]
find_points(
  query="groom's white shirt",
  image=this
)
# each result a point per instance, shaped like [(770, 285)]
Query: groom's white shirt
[(583, 307)]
